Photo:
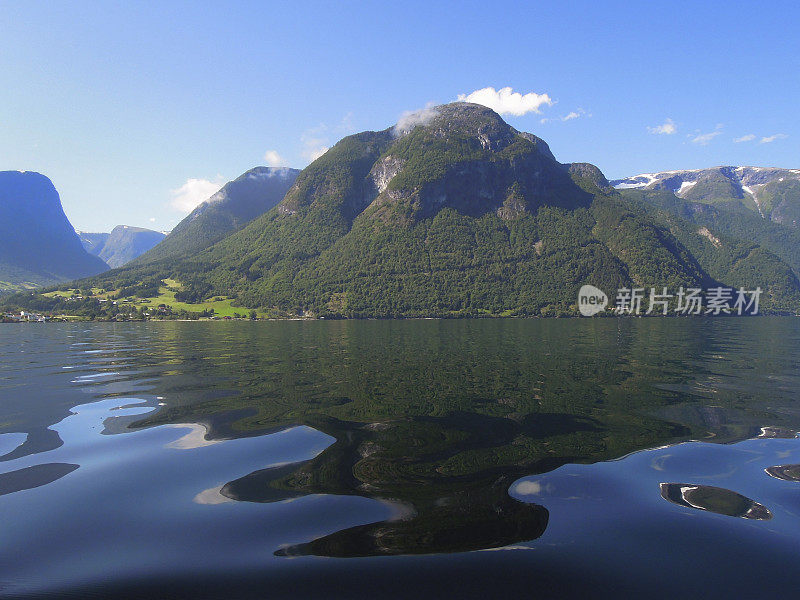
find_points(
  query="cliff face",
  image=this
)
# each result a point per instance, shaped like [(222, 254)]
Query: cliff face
[(38, 245)]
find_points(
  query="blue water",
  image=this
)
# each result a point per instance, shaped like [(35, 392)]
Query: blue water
[(563, 458)]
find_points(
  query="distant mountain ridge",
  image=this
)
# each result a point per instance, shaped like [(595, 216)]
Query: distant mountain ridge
[(238, 202), (758, 204), (92, 242), (38, 245), (122, 245), (773, 193)]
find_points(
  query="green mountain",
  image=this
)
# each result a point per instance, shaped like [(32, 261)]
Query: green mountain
[(732, 245), (38, 246), (122, 245), (453, 212), (731, 219), (230, 209)]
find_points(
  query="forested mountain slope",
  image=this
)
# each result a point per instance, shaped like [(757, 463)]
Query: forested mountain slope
[(455, 213)]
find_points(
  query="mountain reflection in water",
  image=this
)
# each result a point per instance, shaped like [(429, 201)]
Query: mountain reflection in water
[(415, 442)]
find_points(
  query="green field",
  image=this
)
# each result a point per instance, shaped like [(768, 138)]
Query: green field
[(7, 286), (222, 306)]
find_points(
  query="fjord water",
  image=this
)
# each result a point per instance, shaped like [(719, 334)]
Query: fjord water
[(409, 459)]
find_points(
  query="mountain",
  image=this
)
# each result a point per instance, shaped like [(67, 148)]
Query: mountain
[(774, 194), (92, 242), (122, 245), (453, 212), (231, 208), (700, 198), (38, 246)]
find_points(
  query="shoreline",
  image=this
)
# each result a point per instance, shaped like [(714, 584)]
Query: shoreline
[(460, 318)]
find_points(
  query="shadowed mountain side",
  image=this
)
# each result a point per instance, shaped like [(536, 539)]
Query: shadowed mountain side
[(38, 245)]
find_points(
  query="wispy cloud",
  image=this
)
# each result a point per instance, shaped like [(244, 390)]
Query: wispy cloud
[(413, 118), (668, 127), (194, 192), (317, 140), (346, 124), (703, 139), (313, 147), (771, 138), (745, 138), (506, 101), (575, 114), (273, 159)]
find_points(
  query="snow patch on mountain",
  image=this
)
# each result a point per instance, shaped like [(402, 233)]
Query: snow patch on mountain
[(685, 187)]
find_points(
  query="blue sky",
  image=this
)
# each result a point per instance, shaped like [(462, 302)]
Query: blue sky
[(136, 110)]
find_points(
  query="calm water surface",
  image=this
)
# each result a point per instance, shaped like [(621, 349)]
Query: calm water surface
[(402, 459)]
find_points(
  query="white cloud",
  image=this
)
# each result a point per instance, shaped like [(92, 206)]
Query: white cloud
[(313, 148), (668, 127), (413, 118), (703, 139), (152, 219), (505, 101), (317, 152), (317, 140), (273, 159), (575, 114), (195, 191), (745, 138), (772, 138)]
